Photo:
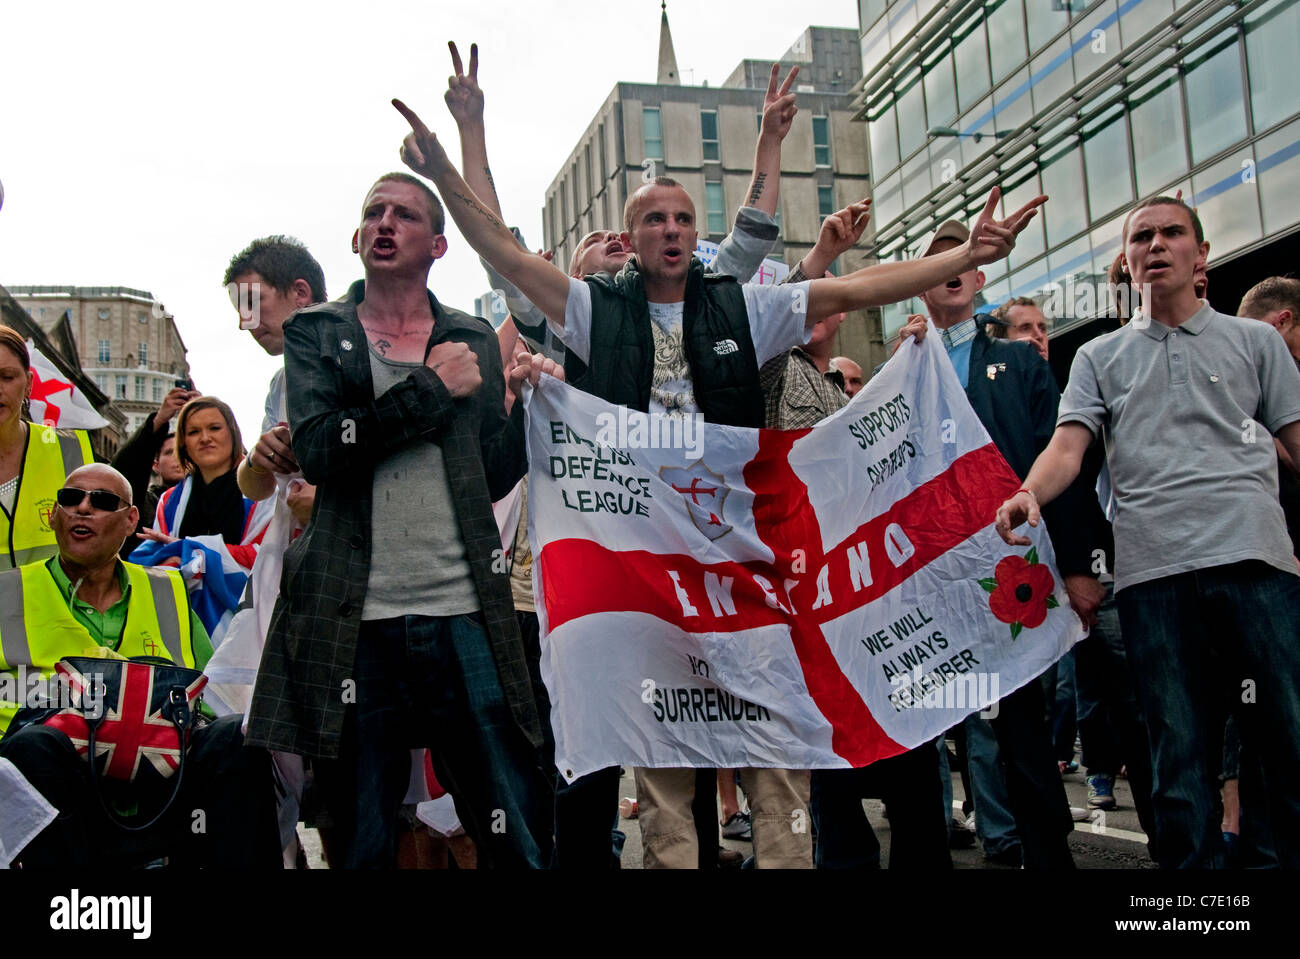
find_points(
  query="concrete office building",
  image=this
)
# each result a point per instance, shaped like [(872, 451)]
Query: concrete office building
[(56, 343), (1097, 103), (127, 343), (704, 137)]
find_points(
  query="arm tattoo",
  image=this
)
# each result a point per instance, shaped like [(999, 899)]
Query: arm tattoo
[(492, 183), (382, 347), (756, 190), (469, 202)]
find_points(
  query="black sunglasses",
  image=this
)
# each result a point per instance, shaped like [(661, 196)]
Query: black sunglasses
[(70, 497)]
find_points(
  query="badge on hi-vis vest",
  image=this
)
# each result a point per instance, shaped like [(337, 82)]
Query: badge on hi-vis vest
[(45, 510), (704, 491)]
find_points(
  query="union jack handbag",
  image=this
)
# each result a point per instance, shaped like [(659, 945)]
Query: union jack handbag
[(131, 719)]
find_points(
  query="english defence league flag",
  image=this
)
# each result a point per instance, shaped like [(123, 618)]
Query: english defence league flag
[(722, 597)]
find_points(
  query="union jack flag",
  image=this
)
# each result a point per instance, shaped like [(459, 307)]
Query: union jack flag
[(131, 697)]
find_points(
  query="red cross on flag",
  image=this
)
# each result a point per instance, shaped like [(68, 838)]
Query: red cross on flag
[(55, 401), (716, 596)]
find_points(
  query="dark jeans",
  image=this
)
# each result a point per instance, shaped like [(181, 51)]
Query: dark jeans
[(910, 788), (230, 785), (1034, 786), (431, 682), (586, 810), (1203, 644), (1059, 691), (1255, 839), (1111, 728)]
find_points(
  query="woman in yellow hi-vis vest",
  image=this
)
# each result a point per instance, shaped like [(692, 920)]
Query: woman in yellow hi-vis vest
[(34, 460)]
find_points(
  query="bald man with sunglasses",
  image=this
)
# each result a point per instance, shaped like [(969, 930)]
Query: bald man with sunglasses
[(79, 603)]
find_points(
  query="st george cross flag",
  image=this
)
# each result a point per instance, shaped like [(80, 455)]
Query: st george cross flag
[(55, 400), (716, 596)]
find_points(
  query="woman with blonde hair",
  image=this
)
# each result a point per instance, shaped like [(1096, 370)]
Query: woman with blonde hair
[(204, 523)]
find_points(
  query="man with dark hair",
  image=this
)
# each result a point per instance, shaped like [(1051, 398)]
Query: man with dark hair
[(1205, 576), (267, 281), (394, 628), (278, 262)]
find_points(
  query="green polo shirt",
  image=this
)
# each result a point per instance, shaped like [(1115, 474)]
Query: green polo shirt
[(106, 628)]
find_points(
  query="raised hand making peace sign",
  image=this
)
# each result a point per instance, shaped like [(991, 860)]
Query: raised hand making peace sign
[(778, 105), (464, 97), (992, 239)]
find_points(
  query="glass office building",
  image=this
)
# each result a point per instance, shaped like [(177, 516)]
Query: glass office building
[(1096, 104)]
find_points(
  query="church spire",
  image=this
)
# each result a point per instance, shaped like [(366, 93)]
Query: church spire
[(667, 58)]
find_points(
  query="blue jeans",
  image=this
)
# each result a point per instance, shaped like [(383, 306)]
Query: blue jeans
[(1203, 644), (431, 682), (995, 824)]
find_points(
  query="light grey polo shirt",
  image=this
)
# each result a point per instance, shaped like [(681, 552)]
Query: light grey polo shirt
[(1187, 415)]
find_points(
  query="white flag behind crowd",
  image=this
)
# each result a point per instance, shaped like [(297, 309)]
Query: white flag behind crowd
[(56, 401), (714, 596)]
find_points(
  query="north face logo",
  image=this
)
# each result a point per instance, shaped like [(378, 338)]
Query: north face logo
[(725, 347)]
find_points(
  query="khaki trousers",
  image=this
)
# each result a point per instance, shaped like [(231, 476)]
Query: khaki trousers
[(778, 805)]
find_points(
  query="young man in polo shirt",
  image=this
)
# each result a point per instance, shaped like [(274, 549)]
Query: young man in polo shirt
[(1206, 582)]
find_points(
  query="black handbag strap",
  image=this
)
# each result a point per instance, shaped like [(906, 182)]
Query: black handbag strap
[(180, 718)]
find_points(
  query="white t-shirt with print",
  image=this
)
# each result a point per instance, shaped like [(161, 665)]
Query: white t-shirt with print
[(777, 321)]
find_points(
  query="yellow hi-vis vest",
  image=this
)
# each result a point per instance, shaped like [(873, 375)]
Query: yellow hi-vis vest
[(51, 455), (37, 628)]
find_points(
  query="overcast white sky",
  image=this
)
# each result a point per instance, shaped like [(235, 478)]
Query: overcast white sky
[(142, 144)]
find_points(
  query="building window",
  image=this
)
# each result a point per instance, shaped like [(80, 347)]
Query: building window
[(1105, 156), (709, 133), (157, 390), (1063, 176), (825, 202), (1006, 27), (600, 152), (884, 139), (104, 353), (1272, 37), (1216, 107), (940, 92), (821, 141), (971, 57), (716, 211), (1156, 119), (143, 353), (911, 118), (119, 389), (101, 381), (652, 133), (139, 388)]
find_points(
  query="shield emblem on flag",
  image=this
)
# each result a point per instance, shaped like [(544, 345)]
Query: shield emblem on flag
[(705, 493)]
